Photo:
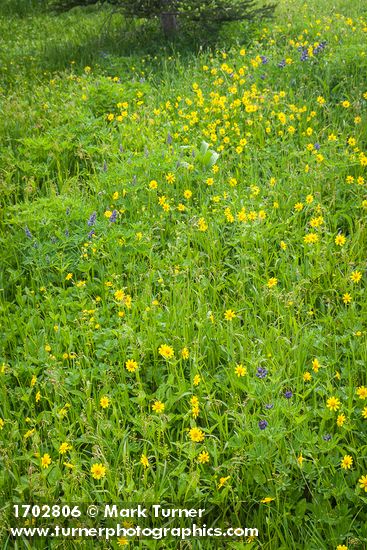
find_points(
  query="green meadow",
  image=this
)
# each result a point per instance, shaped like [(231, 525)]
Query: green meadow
[(183, 240)]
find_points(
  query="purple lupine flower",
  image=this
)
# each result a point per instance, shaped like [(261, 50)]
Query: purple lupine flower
[(27, 232), (269, 406), (326, 437), (90, 234), (261, 372), (282, 64), (319, 48), (317, 146), (288, 394), (92, 219), (304, 55), (113, 216), (263, 424), (264, 59)]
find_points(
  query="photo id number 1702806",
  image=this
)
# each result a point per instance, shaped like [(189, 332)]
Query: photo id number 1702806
[(45, 511)]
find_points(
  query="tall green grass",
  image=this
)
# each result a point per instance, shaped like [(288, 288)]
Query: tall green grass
[(91, 115)]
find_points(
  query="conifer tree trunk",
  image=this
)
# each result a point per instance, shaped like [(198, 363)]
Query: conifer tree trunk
[(168, 19)]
